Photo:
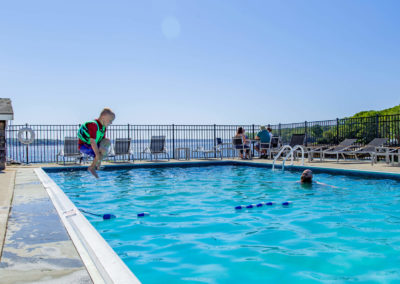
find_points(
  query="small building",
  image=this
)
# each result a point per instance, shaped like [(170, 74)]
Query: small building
[(6, 113)]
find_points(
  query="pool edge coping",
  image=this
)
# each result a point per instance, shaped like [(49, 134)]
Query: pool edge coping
[(101, 261), (316, 169)]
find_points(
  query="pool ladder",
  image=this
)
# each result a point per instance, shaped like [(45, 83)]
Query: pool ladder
[(291, 155)]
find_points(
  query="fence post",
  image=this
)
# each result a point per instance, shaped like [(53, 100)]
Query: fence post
[(58, 141), (215, 140), (253, 137), (27, 146), (173, 141), (305, 131), (129, 137), (279, 130), (337, 130), (377, 125)]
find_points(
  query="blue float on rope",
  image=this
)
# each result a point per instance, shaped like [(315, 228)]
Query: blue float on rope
[(108, 216), (143, 214), (104, 216), (287, 203)]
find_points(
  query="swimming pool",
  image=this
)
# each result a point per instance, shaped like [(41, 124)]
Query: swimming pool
[(195, 235)]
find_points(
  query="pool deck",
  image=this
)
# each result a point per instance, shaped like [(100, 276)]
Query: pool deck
[(34, 244), (37, 247)]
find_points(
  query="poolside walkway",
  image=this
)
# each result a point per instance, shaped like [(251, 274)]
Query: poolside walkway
[(7, 179), (37, 248)]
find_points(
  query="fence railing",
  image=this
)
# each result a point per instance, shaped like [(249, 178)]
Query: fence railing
[(50, 138)]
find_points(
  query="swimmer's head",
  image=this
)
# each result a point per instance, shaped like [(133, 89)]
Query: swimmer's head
[(306, 176)]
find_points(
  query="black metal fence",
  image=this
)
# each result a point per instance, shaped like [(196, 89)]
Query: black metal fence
[(50, 138)]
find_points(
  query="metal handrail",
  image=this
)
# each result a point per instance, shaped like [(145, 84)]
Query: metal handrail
[(291, 155), (280, 153)]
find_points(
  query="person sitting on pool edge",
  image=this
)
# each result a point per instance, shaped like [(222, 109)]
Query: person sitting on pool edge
[(307, 178), (92, 141)]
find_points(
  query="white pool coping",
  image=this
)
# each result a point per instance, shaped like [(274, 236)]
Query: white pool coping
[(101, 261)]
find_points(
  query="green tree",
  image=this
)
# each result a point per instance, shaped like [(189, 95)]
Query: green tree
[(317, 130)]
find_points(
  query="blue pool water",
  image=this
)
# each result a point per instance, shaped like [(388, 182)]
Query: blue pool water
[(194, 234)]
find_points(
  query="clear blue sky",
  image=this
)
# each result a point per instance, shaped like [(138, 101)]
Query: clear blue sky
[(201, 61)]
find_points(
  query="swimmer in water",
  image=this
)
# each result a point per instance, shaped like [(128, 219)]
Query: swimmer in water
[(307, 179), (306, 176)]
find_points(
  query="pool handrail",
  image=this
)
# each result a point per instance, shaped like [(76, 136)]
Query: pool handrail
[(280, 153), (291, 154)]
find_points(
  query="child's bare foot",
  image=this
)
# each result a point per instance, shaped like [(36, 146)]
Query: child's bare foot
[(93, 172)]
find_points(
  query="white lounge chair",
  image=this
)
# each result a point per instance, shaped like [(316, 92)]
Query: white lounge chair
[(157, 147), (395, 152), (239, 145), (274, 146), (70, 150), (122, 147), (372, 149), (387, 152), (217, 150), (340, 149)]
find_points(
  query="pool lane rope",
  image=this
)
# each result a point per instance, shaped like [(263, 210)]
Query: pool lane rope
[(104, 216), (145, 214), (239, 207), (112, 216), (250, 206)]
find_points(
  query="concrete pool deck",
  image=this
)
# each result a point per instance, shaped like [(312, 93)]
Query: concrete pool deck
[(37, 247), (7, 180)]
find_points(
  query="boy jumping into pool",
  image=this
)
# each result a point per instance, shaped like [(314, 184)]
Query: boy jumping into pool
[(92, 141)]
